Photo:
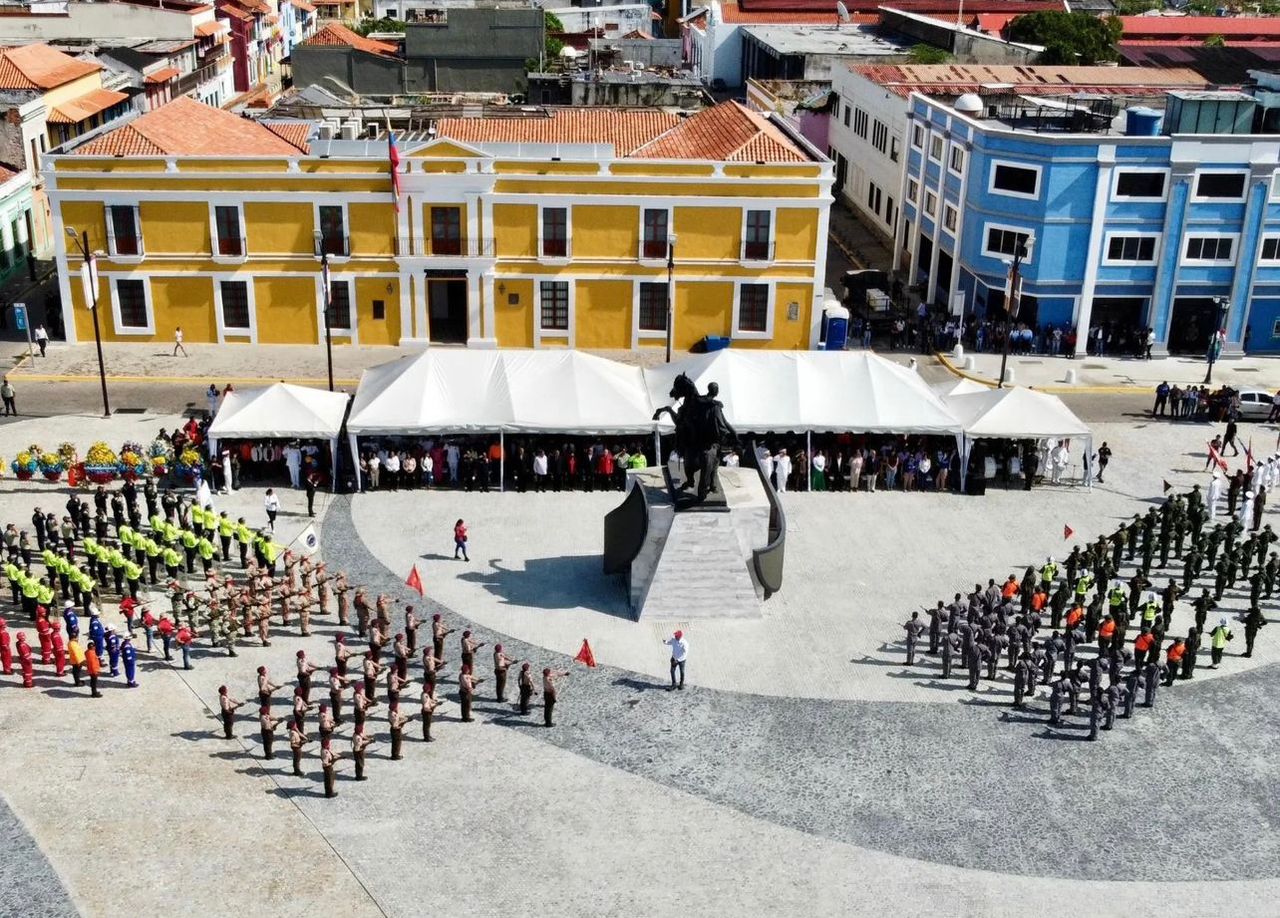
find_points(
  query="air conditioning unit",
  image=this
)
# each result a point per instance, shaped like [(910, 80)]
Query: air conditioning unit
[(325, 131), (350, 130)]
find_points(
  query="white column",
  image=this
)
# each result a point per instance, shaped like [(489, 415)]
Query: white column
[(421, 329), (1093, 255), (490, 322), (820, 273), (955, 254), (474, 333)]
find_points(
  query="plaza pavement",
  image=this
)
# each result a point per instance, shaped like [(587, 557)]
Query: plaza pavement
[(731, 796)]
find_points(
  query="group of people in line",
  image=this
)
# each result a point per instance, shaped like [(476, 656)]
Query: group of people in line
[(1200, 403), (1109, 638)]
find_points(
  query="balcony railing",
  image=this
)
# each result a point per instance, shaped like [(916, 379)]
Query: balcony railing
[(757, 251), (555, 248), (653, 249), (232, 247), (333, 245), (127, 245), (468, 247), (207, 70)]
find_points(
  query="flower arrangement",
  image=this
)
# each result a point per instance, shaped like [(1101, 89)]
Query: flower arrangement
[(100, 463), (26, 462), (190, 461), (159, 465), (51, 465), (70, 455), (132, 464)]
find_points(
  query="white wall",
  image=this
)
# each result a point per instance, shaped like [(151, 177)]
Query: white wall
[(103, 21), (718, 48), (866, 164), (615, 20)]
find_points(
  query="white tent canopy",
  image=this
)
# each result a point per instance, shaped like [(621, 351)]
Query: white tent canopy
[(280, 412), (958, 386), (812, 392)]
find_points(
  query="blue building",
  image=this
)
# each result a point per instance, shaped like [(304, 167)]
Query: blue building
[(1143, 212)]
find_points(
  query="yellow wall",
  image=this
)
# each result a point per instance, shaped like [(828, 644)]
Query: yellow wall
[(702, 309), (515, 230), (185, 301), (286, 310), (274, 228), (603, 314), (86, 215), (372, 228), (705, 233), (796, 234), (73, 90), (605, 232), (514, 324), (377, 331), (174, 226)]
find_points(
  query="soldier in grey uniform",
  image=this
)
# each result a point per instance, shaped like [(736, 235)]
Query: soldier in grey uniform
[(913, 627)]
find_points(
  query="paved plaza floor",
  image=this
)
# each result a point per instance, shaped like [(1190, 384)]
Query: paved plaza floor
[(805, 771)]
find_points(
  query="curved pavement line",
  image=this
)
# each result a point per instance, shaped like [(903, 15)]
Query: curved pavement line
[(1051, 389), (1163, 797), (26, 875)]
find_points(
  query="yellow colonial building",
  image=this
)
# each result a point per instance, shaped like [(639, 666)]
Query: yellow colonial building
[(543, 228)]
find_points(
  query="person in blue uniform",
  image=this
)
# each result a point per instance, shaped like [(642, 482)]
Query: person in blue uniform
[(70, 619), (97, 635), (129, 657), (113, 650)]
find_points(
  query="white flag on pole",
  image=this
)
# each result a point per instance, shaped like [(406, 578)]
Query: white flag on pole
[(308, 541)]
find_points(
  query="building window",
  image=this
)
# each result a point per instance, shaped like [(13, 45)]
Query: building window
[(894, 149), (446, 231), (1017, 181), (755, 243), (340, 304), (949, 217), (333, 230), (917, 136), (555, 232), (1221, 186), (880, 136), (860, 122), (847, 113), (1141, 185), (654, 243), (131, 296), (1131, 248), (935, 149), (227, 226), (123, 234), (1270, 249), (555, 305), (753, 308), (379, 310), (873, 198), (1002, 242), (653, 307), (930, 203), (957, 160), (1209, 248), (913, 190), (235, 304)]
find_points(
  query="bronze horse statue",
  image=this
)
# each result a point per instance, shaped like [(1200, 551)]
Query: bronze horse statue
[(701, 431)]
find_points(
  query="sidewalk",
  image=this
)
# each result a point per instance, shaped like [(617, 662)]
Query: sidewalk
[(1115, 374), (863, 246)]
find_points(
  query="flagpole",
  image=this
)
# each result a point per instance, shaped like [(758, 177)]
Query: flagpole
[(328, 303)]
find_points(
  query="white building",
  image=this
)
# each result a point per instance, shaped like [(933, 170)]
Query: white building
[(868, 124), (713, 37)]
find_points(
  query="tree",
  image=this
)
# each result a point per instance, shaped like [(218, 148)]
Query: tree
[(1068, 38), (928, 54), (385, 24), (1215, 41), (551, 23)]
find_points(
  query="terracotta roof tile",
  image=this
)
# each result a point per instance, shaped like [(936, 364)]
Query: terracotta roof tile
[(6, 174), (185, 127), (303, 5), (163, 75), (293, 132), (86, 106), (235, 12), (1150, 27), (626, 130), (729, 132), (40, 67), (335, 34), (205, 29)]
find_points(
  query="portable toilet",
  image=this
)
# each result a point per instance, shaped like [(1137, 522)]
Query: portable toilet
[(837, 322)]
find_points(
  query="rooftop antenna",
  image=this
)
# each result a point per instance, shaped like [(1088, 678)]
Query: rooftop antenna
[(842, 14)]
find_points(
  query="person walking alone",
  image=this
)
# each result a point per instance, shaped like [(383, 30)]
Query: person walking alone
[(42, 339), (271, 504), (679, 655), (460, 540), (177, 342), (7, 393)]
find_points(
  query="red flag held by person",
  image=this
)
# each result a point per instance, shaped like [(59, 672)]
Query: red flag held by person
[(414, 582), (1216, 457), (1166, 486), (585, 655), (1067, 532)]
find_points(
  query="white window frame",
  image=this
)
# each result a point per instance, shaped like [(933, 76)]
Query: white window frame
[(917, 136), (1275, 186), (1008, 228), (1209, 262), (956, 149), (913, 192), (244, 239), (770, 309), (1195, 186), (111, 234), (772, 242), (1116, 197), (346, 229), (230, 331), (1269, 237), (950, 213), (938, 146), (671, 227), (555, 334), (120, 327), (568, 232), (637, 333), (1125, 262), (1031, 167), (930, 204), (334, 280)]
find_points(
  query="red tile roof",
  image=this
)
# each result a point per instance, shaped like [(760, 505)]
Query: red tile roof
[(235, 12), (626, 130), (185, 127), (956, 79), (86, 106), (335, 34), (303, 5), (40, 67), (205, 29), (729, 132), (163, 75), (1177, 27)]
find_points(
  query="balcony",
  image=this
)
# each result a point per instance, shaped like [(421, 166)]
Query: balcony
[(127, 245), (654, 249), (471, 247), (555, 248), (208, 70), (757, 251), (336, 246)]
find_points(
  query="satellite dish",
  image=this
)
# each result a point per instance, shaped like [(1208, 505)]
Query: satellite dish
[(842, 11)]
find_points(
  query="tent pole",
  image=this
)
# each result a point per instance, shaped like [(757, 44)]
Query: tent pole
[(657, 447), (333, 465), (355, 458), (808, 451), (502, 461), (964, 465)]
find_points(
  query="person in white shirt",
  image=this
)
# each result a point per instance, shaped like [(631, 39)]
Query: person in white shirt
[(42, 339), (766, 464), (540, 471), (1059, 459), (782, 466), (293, 461), (392, 468), (272, 505), (428, 468), (679, 654), (227, 481), (177, 342), (676, 467), (375, 471), (731, 461)]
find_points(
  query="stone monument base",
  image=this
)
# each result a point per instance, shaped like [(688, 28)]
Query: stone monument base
[(697, 563)]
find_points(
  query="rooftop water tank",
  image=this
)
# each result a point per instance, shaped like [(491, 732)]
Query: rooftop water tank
[(1142, 122), (969, 104)]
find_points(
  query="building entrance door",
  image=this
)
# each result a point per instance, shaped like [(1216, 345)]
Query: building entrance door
[(1191, 324), (447, 310)]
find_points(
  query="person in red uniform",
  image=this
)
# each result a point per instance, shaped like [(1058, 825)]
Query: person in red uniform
[(148, 623), (59, 649), (129, 608), (184, 638), (166, 629), (42, 631), (24, 661), (6, 652)]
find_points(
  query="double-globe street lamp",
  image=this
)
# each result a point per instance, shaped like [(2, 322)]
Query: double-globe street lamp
[(89, 278), (1013, 300), (1221, 305)]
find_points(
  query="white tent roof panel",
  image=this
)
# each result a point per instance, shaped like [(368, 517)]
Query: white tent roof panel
[(280, 411), (1015, 413)]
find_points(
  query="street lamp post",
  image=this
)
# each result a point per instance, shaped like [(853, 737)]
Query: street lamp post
[(671, 293), (1011, 302), (90, 278), (327, 295), (1221, 304)]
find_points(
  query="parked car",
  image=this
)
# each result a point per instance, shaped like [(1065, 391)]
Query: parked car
[(1255, 404)]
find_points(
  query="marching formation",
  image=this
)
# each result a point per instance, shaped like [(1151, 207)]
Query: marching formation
[(1110, 639)]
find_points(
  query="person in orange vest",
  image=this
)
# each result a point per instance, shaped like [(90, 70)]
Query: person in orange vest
[(1074, 617), (1173, 660), (1010, 589), (1106, 633), (93, 666), (1142, 645), (1039, 599), (75, 653), (24, 660)]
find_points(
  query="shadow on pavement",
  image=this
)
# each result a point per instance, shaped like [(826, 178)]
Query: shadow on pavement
[(565, 582)]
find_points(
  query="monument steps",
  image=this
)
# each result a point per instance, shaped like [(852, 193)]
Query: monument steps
[(701, 572)]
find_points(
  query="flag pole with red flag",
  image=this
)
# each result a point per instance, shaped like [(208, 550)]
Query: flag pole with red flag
[(586, 656), (414, 582), (1067, 531)]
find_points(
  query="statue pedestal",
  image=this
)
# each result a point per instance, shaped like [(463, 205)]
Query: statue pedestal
[(697, 563)]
